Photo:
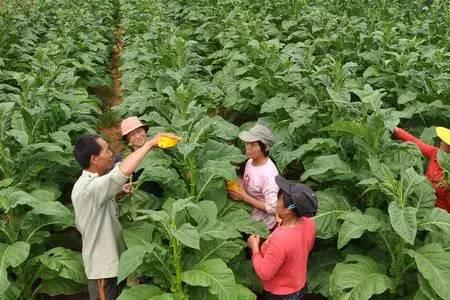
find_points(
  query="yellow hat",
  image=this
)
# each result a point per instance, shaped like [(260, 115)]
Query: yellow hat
[(444, 134)]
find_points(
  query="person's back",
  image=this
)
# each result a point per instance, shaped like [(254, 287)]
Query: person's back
[(292, 246)]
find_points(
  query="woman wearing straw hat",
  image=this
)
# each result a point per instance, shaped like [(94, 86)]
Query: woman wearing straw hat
[(434, 171), (134, 133), (259, 189)]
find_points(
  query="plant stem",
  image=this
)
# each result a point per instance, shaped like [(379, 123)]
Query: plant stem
[(193, 171), (177, 284)]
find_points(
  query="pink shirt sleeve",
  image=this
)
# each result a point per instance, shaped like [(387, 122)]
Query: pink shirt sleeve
[(267, 266), (270, 192)]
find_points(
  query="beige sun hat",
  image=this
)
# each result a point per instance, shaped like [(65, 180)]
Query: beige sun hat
[(130, 124)]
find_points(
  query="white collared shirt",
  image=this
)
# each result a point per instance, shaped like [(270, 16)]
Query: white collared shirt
[(96, 218)]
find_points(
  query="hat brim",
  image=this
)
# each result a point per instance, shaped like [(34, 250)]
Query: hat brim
[(248, 137), (124, 136), (444, 134), (283, 184)]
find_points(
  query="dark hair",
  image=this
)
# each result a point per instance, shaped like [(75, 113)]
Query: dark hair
[(263, 148), (287, 200), (86, 146)]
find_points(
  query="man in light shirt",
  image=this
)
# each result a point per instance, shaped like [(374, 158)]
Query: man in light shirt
[(96, 214)]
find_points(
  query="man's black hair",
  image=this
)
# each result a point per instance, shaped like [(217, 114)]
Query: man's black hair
[(86, 146)]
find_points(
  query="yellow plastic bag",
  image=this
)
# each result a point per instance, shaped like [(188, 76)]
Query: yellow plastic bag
[(233, 185), (167, 142)]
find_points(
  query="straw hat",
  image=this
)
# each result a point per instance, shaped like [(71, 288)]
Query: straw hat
[(444, 134), (130, 124)]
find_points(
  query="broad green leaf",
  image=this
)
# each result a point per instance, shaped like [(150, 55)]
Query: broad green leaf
[(243, 271), (60, 286), (242, 221), (62, 138), (332, 204), (217, 169), (351, 127), (434, 264), (328, 166), (182, 204), (301, 117), (12, 293), (140, 235), (243, 293), (320, 265), (425, 291), (157, 216), (140, 292), (355, 223), (219, 248), (131, 259), (218, 230), (314, 145), (407, 97), (437, 220), (404, 221), (213, 274), (214, 150), (46, 193), (224, 129), (358, 278), (187, 235), (168, 177), (209, 209), (20, 136), (11, 256), (67, 263), (55, 210)]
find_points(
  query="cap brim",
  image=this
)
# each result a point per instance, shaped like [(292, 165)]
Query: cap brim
[(283, 184), (444, 134), (248, 137)]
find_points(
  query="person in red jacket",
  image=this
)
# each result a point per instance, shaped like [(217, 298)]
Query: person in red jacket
[(434, 172), (282, 260)]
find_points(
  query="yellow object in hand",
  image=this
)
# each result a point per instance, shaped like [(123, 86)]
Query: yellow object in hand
[(233, 185), (167, 142)]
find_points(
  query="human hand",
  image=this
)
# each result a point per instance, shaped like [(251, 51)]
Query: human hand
[(253, 242), (126, 188), (237, 195)]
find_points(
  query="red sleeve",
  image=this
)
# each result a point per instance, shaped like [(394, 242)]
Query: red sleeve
[(426, 149), (267, 266)]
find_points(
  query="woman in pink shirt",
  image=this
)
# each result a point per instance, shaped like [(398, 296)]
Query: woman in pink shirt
[(258, 185), (282, 260)]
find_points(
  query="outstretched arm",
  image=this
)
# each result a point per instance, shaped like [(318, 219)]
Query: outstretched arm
[(426, 149)]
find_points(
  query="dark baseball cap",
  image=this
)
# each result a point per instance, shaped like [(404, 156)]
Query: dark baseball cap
[(304, 199)]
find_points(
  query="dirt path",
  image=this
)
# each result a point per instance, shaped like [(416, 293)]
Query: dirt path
[(112, 133)]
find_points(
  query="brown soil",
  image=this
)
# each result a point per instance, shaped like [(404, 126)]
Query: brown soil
[(113, 134)]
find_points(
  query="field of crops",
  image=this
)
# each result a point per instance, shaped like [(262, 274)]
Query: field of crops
[(331, 78)]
